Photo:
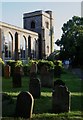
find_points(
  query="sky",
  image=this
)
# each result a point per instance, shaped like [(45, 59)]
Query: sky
[(12, 13)]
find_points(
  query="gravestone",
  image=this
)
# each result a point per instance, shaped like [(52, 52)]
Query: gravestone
[(46, 77), (58, 82), (33, 70), (17, 82), (24, 105), (57, 70), (7, 71), (35, 87), (60, 98)]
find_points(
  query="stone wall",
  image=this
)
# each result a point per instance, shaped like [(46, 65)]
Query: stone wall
[(10, 30)]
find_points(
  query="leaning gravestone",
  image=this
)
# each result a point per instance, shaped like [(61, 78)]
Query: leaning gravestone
[(60, 98), (35, 87), (46, 77), (24, 105)]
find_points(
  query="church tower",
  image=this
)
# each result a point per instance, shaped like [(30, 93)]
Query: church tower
[(42, 23)]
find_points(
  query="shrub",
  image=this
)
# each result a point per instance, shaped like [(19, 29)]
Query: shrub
[(59, 62), (1, 61), (18, 64), (40, 63), (13, 64), (26, 69), (2, 65), (49, 64), (9, 62), (58, 68)]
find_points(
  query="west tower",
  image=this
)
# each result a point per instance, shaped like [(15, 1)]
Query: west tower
[(42, 23)]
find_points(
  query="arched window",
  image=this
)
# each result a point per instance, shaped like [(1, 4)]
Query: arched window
[(23, 47), (8, 45), (32, 24), (29, 46)]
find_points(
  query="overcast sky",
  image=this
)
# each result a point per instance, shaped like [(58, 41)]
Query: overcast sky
[(12, 12)]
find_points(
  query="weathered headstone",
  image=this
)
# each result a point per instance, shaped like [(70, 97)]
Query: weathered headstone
[(24, 105), (17, 82), (7, 71), (35, 87), (57, 70), (46, 77), (58, 82), (60, 98), (33, 70)]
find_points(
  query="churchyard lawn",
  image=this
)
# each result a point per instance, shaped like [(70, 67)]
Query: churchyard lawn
[(43, 105)]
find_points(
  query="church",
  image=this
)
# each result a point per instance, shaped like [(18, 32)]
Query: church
[(34, 40)]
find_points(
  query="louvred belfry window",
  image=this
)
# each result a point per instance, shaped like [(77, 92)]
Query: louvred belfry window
[(32, 24)]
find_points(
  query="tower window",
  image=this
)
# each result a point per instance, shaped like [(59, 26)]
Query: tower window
[(32, 24), (47, 25), (47, 49)]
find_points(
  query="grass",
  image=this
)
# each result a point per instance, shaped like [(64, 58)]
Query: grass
[(42, 106), (48, 116)]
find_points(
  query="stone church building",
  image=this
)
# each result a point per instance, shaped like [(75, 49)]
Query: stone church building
[(35, 40)]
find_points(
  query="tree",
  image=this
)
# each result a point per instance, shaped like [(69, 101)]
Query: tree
[(71, 42)]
